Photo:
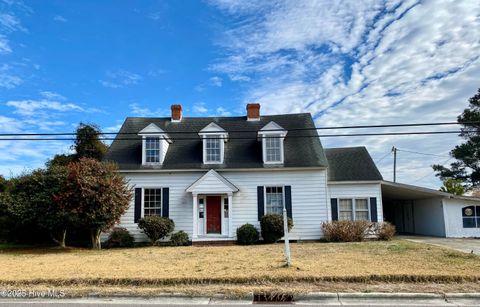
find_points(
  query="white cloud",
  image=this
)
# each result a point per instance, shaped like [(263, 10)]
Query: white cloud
[(4, 45), (60, 18), (8, 79), (120, 78), (200, 107), (360, 62), (10, 23), (52, 96), (216, 81), (221, 111), (30, 107), (138, 110)]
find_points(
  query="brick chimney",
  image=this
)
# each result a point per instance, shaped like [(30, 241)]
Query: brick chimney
[(176, 112), (253, 111)]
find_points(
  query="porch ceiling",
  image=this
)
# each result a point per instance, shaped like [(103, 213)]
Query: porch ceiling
[(393, 190)]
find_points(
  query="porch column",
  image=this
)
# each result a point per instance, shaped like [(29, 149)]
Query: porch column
[(230, 216), (195, 217)]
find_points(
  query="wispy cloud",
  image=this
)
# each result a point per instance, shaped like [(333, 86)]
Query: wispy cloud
[(31, 107), (4, 45), (215, 81), (200, 107), (358, 62), (120, 78), (10, 23), (141, 111), (60, 18), (8, 78)]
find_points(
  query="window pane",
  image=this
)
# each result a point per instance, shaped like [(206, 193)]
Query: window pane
[(273, 149), (361, 216), (345, 209), (152, 149), (469, 222), (212, 149), (361, 204), (152, 202), (274, 199)]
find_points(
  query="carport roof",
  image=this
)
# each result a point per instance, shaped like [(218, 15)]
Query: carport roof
[(395, 190)]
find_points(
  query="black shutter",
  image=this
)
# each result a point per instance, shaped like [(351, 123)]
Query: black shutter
[(333, 203), (260, 202), (165, 202), (373, 209), (288, 200), (138, 204)]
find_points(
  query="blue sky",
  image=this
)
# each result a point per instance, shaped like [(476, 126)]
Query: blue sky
[(346, 62)]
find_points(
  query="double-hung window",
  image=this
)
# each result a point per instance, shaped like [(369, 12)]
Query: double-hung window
[(273, 149), (356, 209), (213, 149), (152, 149), (274, 200), (152, 202)]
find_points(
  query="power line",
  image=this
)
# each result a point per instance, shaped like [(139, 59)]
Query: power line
[(254, 131), (430, 173), (254, 137), (380, 160), (422, 153)]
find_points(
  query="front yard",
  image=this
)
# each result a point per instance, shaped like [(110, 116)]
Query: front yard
[(368, 266)]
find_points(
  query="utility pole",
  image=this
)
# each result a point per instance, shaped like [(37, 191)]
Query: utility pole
[(394, 150), (287, 243)]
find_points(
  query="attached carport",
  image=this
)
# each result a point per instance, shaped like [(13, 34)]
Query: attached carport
[(422, 211)]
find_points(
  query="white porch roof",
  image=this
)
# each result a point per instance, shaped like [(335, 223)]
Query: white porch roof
[(212, 182)]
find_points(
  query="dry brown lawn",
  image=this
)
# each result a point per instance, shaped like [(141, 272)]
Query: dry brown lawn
[(233, 268)]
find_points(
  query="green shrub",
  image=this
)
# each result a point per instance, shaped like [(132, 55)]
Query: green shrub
[(272, 227), (119, 237), (179, 239), (247, 234), (385, 231), (156, 227), (345, 231)]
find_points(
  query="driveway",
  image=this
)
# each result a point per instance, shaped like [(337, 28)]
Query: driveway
[(460, 244)]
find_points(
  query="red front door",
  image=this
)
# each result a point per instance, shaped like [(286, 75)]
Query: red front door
[(214, 217)]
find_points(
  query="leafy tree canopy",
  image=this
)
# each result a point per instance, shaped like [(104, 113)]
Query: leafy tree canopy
[(452, 186), (97, 193), (466, 168), (88, 144)]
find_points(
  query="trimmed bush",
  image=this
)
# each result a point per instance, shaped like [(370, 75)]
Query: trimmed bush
[(272, 227), (119, 237), (156, 227), (247, 234), (345, 231), (179, 239), (385, 231)]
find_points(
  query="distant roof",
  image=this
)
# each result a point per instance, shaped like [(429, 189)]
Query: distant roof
[(239, 153), (351, 164)]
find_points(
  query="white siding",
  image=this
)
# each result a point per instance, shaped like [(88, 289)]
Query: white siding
[(453, 218), (309, 205), (357, 190), (428, 217)]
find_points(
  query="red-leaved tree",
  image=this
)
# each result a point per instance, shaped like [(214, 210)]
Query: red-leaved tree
[(97, 193)]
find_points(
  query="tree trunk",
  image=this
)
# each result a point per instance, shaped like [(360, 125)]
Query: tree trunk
[(95, 235), (61, 240)]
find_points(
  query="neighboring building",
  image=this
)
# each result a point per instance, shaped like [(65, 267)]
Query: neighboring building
[(213, 174)]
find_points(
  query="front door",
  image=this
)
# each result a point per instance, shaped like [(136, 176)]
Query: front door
[(214, 217)]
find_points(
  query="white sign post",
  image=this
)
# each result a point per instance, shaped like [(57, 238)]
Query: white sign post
[(287, 243)]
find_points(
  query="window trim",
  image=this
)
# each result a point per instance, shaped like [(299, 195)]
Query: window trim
[(221, 137), (144, 149), (281, 137), (142, 213), (354, 207), (265, 196)]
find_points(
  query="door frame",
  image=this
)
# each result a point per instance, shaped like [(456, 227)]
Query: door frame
[(205, 227)]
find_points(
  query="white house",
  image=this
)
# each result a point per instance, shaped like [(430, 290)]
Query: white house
[(211, 175)]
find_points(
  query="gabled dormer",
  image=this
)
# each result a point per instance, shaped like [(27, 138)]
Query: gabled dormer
[(155, 144), (214, 138), (272, 136)]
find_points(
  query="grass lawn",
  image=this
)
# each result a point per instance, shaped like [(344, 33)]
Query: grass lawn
[(368, 266)]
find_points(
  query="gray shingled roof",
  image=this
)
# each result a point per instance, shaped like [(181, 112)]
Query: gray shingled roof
[(239, 153), (351, 164)]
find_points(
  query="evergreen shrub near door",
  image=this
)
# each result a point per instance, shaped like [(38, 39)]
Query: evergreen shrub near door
[(247, 234), (156, 227), (345, 231), (272, 227), (179, 239), (119, 237)]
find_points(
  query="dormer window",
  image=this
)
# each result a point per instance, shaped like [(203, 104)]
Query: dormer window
[(213, 139), (155, 144), (152, 149), (272, 137)]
